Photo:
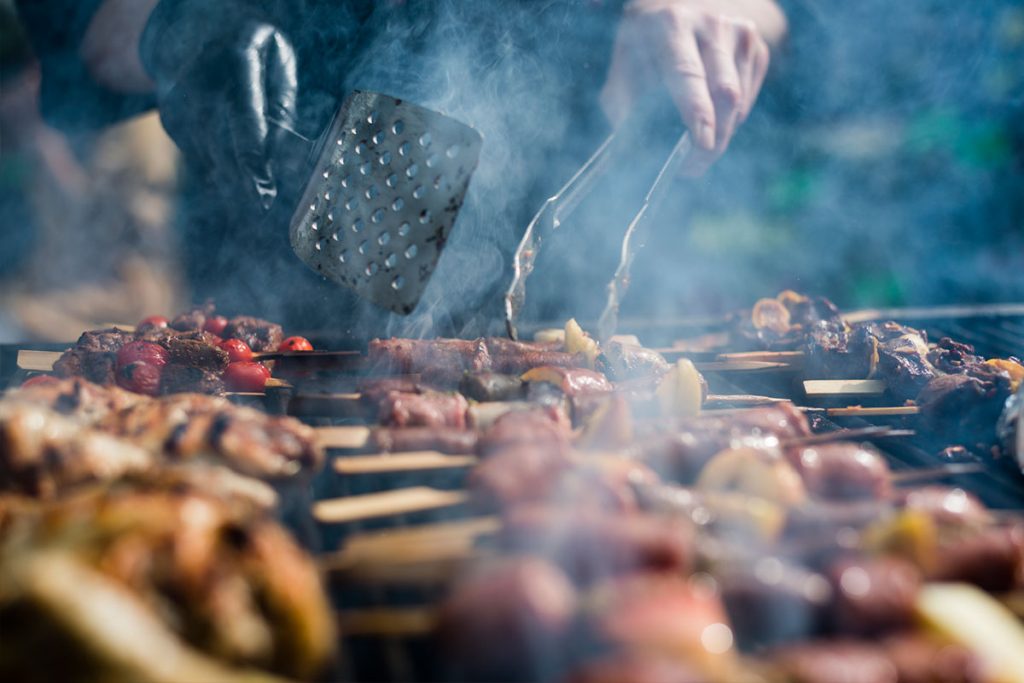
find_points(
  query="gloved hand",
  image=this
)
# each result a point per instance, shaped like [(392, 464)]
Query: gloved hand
[(226, 89)]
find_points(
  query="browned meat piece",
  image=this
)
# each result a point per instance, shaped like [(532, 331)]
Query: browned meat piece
[(779, 324), (95, 366), (920, 659), (835, 350), (873, 595), (110, 339), (591, 545), (437, 360), (953, 357), (515, 357), (947, 506), (572, 382), (431, 409), (376, 390), (539, 428), (507, 620), (770, 602), (77, 398), (44, 453), (492, 386), (515, 475), (443, 439), (606, 483), (817, 531), (229, 582), (636, 667), (194, 426), (903, 360), (177, 379), (839, 661), (627, 362), (680, 455), (843, 471), (992, 559), (93, 355), (965, 408), (196, 352), (661, 613), (192, 320), (260, 335)]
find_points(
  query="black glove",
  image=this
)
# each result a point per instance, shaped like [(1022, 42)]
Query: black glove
[(226, 88)]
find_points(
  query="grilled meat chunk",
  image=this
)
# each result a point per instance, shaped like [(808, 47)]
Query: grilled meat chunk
[(228, 582), (445, 361), (431, 409), (628, 362), (636, 667), (81, 400), (260, 335), (780, 323), (516, 474), (44, 453), (839, 661), (833, 349), (176, 379), (545, 428), (443, 439), (920, 659), (953, 357), (193, 319), (529, 611), (196, 350), (681, 453), (965, 408), (492, 386), (843, 471), (590, 545), (195, 426), (873, 596)]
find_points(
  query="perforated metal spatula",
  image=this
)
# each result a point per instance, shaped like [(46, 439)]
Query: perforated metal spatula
[(387, 185)]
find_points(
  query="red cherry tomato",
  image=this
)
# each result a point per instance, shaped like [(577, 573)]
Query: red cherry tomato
[(295, 344), (140, 377), (215, 324), (39, 381), (142, 352), (246, 376), (237, 349), (156, 321)]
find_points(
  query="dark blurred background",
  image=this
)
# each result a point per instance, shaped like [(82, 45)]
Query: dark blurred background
[(883, 166)]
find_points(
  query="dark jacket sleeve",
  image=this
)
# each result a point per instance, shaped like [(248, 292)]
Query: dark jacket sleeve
[(69, 97)]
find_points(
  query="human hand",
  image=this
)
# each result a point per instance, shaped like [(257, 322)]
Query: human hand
[(711, 63), (226, 89)]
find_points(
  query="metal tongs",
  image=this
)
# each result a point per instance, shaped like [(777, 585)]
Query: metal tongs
[(560, 206)]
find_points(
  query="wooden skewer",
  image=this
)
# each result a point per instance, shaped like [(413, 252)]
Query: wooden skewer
[(860, 411), (388, 622), (911, 477), (785, 357), (410, 461), (37, 361), (351, 438), (386, 504), (844, 387), (417, 555), (413, 461)]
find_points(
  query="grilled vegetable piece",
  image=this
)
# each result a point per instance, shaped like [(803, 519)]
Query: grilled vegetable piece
[(682, 390), (975, 620)]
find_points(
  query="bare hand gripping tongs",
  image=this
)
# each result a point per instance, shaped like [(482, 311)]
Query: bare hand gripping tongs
[(561, 205)]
